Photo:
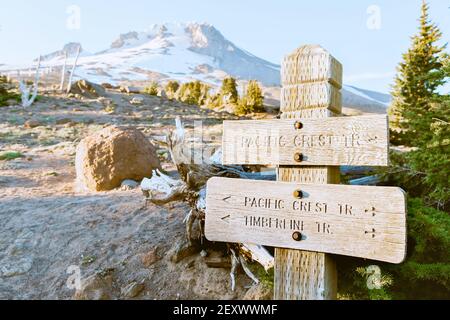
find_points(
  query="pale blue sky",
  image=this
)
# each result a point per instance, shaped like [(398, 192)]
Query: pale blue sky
[(267, 28)]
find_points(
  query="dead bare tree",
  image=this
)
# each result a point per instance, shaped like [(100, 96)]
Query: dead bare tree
[(69, 84), (63, 72), (29, 93), (191, 187)]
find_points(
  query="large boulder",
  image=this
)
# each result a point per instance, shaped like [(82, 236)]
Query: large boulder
[(87, 89), (112, 155)]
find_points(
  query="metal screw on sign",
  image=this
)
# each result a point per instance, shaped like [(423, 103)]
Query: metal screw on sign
[(298, 157), (298, 194), (297, 236), (298, 125)]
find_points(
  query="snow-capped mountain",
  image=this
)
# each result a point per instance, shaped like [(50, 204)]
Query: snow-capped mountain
[(187, 51), (355, 101), (70, 49), (174, 50), (359, 101)]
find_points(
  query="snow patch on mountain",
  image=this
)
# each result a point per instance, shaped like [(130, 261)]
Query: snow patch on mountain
[(360, 101), (70, 49), (185, 52), (171, 50), (377, 97)]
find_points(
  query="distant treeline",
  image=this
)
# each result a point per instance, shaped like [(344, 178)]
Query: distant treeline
[(199, 93)]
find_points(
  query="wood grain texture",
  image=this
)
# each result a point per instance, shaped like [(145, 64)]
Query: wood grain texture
[(317, 175), (311, 96), (361, 140), (347, 220), (303, 275), (293, 283), (311, 63), (318, 113)]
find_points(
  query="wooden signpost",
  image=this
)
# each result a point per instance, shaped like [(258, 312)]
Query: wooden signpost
[(342, 141), (348, 220), (306, 214)]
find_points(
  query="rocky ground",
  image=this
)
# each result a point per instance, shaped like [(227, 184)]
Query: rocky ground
[(123, 247)]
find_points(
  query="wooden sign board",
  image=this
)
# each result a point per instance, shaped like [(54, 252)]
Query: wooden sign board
[(357, 141), (359, 221)]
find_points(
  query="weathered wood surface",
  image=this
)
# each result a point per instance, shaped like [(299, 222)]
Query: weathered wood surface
[(347, 220), (358, 141), (311, 96), (306, 275), (311, 63)]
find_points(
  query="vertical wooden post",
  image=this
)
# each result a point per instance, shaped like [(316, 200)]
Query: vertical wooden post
[(311, 80)]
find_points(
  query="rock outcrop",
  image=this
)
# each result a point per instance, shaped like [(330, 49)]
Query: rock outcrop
[(107, 158), (87, 89)]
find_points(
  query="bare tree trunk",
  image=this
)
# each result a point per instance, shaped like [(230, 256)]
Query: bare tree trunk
[(26, 91), (73, 69), (162, 189), (63, 72)]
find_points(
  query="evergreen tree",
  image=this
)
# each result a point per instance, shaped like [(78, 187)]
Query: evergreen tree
[(6, 93), (3, 86), (253, 100), (196, 92), (193, 92), (152, 89), (422, 114), (430, 161), (204, 94), (417, 83), (424, 274), (171, 88), (214, 101), (229, 88), (254, 96), (184, 92)]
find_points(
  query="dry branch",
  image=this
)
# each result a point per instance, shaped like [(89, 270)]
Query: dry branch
[(69, 85), (63, 72), (191, 187), (29, 93)]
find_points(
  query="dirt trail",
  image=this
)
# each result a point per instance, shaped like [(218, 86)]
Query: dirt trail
[(47, 227)]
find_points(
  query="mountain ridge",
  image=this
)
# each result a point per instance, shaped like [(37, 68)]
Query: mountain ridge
[(176, 50), (186, 52)]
